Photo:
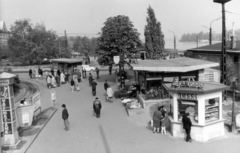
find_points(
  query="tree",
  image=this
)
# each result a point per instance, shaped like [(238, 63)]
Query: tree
[(31, 44), (118, 36), (154, 38)]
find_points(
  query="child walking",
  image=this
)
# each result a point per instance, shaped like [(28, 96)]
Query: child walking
[(163, 121)]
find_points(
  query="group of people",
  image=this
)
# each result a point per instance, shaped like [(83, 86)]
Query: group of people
[(160, 120), (55, 80), (33, 73)]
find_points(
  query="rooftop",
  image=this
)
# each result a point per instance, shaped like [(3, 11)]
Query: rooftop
[(67, 60), (182, 64), (218, 47), (208, 87)]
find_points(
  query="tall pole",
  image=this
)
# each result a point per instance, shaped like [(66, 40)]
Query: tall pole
[(224, 62), (59, 48), (210, 36), (174, 39)]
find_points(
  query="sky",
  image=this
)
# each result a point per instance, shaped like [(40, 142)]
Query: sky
[(86, 17)]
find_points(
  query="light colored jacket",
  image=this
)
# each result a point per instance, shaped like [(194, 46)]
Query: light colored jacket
[(62, 77), (109, 92)]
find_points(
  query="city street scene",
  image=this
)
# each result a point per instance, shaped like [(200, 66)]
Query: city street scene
[(120, 76)]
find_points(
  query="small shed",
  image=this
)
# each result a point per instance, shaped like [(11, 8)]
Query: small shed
[(66, 64)]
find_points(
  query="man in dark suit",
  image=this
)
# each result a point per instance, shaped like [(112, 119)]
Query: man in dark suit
[(94, 86), (187, 126), (97, 107), (65, 117)]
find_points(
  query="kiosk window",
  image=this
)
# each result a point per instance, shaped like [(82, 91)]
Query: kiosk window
[(188, 106), (211, 109)]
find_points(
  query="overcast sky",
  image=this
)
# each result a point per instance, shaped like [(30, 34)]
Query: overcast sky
[(86, 17)]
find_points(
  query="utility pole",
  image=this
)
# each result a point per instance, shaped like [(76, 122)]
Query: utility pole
[(59, 48), (66, 43)]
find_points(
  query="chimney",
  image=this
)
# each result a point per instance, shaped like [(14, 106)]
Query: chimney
[(233, 41)]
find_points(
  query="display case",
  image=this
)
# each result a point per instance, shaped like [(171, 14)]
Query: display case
[(211, 110)]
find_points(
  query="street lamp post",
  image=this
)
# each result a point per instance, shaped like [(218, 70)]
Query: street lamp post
[(210, 30), (223, 61), (174, 41)]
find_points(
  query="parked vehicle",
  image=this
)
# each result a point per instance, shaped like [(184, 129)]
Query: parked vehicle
[(89, 68)]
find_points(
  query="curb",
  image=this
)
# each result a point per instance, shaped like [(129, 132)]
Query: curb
[(40, 130)]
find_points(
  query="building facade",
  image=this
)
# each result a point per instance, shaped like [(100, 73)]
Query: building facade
[(4, 34), (213, 53)]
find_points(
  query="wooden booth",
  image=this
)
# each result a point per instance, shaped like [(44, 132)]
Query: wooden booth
[(152, 74), (203, 101)]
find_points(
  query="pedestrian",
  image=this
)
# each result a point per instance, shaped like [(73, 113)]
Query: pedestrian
[(58, 80), (187, 123), (30, 73), (33, 74), (85, 73), (46, 74), (58, 72), (54, 83), (65, 116), (79, 75), (66, 77), (94, 85), (106, 85), (72, 85), (110, 69), (49, 81), (90, 79), (163, 121), (62, 78), (97, 72), (109, 93), (52, 72), (97, 107), (157, 116)]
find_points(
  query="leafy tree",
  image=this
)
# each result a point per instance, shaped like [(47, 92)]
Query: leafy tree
[(154, 38), (118, 36), (31, 44)]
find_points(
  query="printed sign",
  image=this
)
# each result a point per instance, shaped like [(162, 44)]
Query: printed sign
[(6, 115), (116, 59), (4, 92), (5, 104), (4, 82), (25, 118), (7, 128), (191, 83), (36, 101), (187, 96)]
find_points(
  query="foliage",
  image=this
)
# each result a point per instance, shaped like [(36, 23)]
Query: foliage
[(154, 38), (205, 36), (32, 43), (118, 36), (3, 52), (84, 45)]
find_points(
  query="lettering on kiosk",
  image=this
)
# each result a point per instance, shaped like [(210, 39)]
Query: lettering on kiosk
[(187, 96), (191, 83)]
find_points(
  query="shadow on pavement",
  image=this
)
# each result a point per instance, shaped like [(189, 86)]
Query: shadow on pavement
[(105, 142)]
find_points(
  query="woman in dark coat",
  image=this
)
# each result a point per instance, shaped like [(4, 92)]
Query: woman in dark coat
[(157, 117)]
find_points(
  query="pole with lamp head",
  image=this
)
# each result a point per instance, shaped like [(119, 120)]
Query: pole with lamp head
[(224, 55)]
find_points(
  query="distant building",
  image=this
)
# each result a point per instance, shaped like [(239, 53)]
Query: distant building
[(4, 34), (213, 53)]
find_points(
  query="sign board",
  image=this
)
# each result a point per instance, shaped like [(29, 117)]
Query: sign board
[(5, 104), (191, 83), (4, 93), (6, 116), (36, 101), (7, 128), (116, 59), (25, 117), (187, 96)]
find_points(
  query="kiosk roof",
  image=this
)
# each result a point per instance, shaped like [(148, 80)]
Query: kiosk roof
[(67, 60), (182, 64), (209, 87)]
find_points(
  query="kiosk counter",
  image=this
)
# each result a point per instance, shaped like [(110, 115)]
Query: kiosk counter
[(203, 101)]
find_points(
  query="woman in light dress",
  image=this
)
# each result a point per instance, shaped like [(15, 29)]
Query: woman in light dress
[(62, 78)]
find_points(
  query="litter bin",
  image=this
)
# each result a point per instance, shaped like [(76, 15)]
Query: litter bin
[(25, 115)]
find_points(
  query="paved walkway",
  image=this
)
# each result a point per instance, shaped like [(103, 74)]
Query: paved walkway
[(114, 132)]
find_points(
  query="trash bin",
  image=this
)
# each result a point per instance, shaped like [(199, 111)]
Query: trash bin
[(25, 115)]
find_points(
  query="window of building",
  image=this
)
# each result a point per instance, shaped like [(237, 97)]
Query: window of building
[(211, 109)]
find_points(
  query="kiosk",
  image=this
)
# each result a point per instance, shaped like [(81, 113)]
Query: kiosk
[(203, 101)]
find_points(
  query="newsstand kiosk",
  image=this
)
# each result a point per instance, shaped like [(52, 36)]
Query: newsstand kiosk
[(8, 111), (203, 101)]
